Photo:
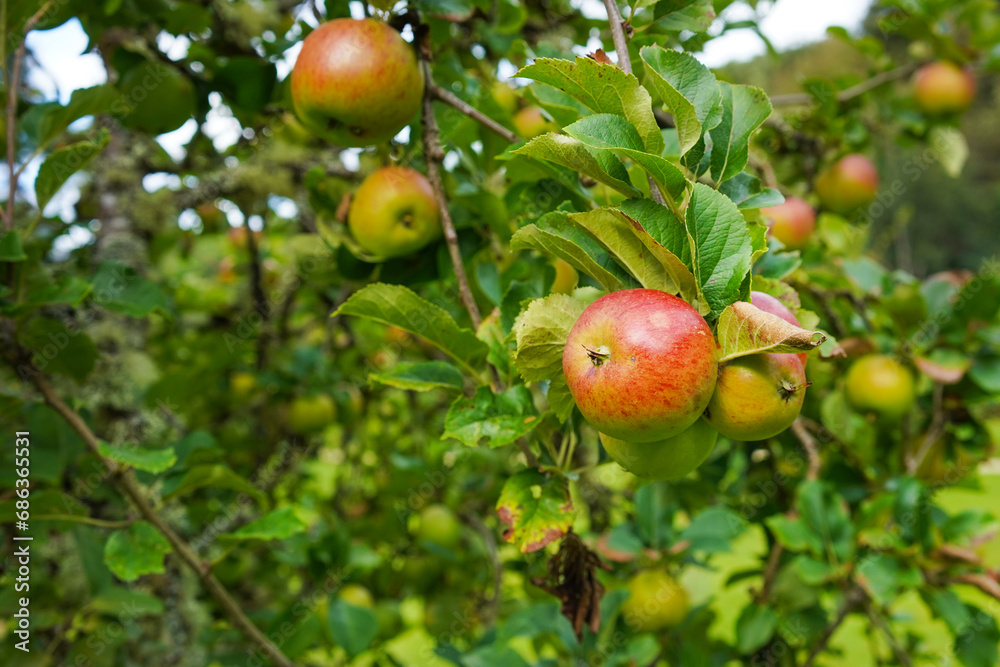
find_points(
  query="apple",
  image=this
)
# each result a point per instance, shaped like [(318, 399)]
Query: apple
[(504, 96), (792, 222), (439, 525), (394, 213), (849, 184), (879, 383), (943, 88), (357, 595), (242, 385), (671, 458), (773, 306), (656, 601), (530, 122), (641, 365), (156, 98), (308, 414), (758, 396), (356, 82), (566, 277)]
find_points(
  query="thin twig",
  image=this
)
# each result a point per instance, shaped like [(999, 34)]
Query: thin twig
[(851, 602), (454, 101), (434, 155), (983, 582), (625, 62), (902, 657), (770, 571), (491, 550), (258, 299), (812, 449), (848, 94), (133, 489), (14, 83)]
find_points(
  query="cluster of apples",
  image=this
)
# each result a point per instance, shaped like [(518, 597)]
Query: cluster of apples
[(940, 89), (358, 83), (642, 366)]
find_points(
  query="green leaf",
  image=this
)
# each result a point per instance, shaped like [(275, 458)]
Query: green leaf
[(745, 108), (883, 575), (216, 476), (606, 132), (10, 247), (688, 89), (721, 246), (978, 645), (500, 418), (755, 627), (794, 534), (813, 572), (712, 530), (825, 514), (421, 376), (536, 507), (140, 458), (653, 266), (353, 628), (277, 525), (401, 307), (119, 288), (573, 154), (63, 163), (541, 331), (745, 329), (985, 372), (559, 397), (602, 88), (71, 291), (748, 192), (949, 608), (532, 236), (134, 551), (59, 349), (660, 223)]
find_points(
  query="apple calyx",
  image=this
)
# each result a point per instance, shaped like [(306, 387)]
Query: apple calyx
[(788, 389), (598, 356)]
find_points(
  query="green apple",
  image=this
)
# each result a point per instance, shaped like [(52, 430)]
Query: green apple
[(394, 213), (850, 184), (943, 88), (656, 601), (758, 396), (504, 96), (308, 414), (439, 525), (641, 365), (665, 459), (881, 384), (791, 222), (357, 595), (242, 385), (530, 122), (566, 277), (356, 82), (155, 98)]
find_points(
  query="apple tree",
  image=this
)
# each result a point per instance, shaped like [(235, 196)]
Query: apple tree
[(494, 332)]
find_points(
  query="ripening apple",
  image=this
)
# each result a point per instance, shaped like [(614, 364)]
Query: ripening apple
[(881, 384), (394, 212), (641, 365), (357, 595), (773, 306), (308, 414), (530, 122), (944, 88), (671, 458), (356, 82), (242, 385), (156, 98), (438, 524), (566, 277), (791, 222), (656, 601), (504, 96), (849, 184), (758, 396)]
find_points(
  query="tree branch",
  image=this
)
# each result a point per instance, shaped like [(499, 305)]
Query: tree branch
[(13, 83), (434, 155), (852, 600), (848, 94), (902, 657), (130, 487), (812, 449), (455, 102), (914, 461)]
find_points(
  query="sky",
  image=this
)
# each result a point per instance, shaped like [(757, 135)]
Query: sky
[(65, 66)]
